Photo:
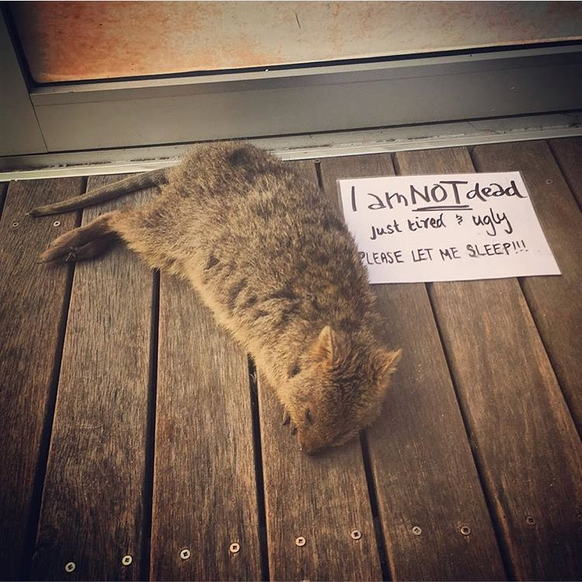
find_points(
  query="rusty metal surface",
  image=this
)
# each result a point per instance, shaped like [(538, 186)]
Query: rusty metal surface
[(71, 41)]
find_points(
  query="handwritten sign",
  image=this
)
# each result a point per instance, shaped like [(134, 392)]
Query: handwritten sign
[(446, 227)]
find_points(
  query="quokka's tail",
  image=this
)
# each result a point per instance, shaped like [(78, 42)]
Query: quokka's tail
[(105, 193)]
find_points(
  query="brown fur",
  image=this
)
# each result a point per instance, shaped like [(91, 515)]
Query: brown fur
[(276, 264)]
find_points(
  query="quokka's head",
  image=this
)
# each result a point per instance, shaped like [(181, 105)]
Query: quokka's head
[(338, 389)]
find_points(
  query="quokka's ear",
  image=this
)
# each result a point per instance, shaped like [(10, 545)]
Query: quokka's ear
[(386, 362), (325, 346)]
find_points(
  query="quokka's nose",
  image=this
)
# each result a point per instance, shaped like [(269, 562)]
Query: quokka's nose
[(310, 448), (303, 446)]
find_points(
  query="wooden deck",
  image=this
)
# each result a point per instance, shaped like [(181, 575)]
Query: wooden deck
[(136, 440)]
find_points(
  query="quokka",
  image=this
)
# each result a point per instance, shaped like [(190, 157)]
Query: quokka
[(275, 263)]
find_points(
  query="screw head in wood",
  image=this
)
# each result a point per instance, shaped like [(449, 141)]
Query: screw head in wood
[(300, 541), (466, 530), (57, 223), (126, 560), (185, 554), (530, 520), (14, 224), (70, 567), (356, 534), (234, 548), (416, 530)]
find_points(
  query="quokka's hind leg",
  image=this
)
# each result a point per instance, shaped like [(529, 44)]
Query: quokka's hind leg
[(149, 231), (84, 242), (142, 229)]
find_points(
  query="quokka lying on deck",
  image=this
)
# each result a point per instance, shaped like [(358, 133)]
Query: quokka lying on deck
[(276, 264)]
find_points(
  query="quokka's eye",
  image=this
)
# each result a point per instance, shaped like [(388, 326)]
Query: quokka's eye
[(308, 416), (294, 370)]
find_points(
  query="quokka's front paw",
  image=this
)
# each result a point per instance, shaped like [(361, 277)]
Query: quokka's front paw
[(286, 417), (287, 421)]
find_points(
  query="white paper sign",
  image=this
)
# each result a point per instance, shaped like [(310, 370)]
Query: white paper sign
[(445, 227)]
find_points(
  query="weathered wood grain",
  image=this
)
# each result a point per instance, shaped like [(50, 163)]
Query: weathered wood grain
[(92, 506), (568, 153), (555, 302), (205, 495), (322, 499), (524, 438), (33, 300), (424, 474)]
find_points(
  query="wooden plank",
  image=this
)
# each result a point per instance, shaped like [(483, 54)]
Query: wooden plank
[(33, 300), (555, 302), (426, 477), (205, 495), (524, 439), (322, 499), (92, 507), (568, 153)]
